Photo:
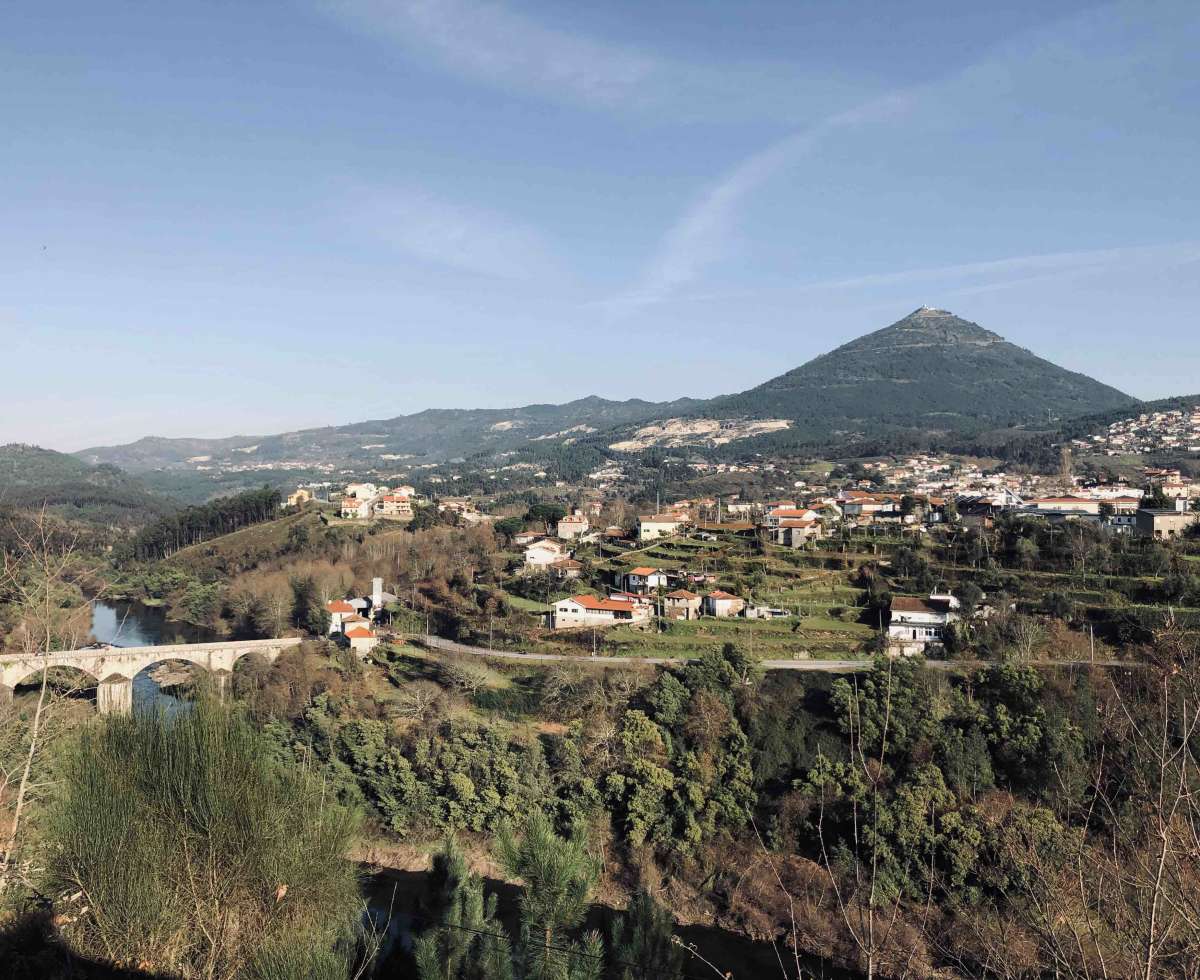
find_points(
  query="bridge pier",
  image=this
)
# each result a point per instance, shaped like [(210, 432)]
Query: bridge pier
[(221, 680), (114, 695), (6, 695)]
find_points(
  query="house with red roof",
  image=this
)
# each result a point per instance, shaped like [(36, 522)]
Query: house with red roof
[(681, 604), (395, 506), (776, 515), (339, 611), (644, 579), (362, 640)]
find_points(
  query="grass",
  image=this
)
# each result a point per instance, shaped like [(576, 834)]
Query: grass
[(772, 639), (526, 605)]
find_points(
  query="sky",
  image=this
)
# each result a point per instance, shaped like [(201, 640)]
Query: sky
[(231, 218)]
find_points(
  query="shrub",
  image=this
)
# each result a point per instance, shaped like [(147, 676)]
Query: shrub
[(195, 850)]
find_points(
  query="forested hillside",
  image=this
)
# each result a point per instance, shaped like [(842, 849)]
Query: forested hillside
[(192, 525), (31, 478)]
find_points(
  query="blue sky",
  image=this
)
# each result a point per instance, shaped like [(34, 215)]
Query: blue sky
[(231, 217)]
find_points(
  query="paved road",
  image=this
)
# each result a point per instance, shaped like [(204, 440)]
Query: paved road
[(829, 666)]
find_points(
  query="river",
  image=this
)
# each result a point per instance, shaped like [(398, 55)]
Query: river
[(132, 624)]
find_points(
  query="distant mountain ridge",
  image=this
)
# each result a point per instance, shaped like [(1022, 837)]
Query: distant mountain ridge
[(437, 433), (930, 371)]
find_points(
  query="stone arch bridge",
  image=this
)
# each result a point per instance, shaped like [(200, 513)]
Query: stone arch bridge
[(114, 668)]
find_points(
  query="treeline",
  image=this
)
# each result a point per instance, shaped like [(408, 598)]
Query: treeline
[(196, 524)]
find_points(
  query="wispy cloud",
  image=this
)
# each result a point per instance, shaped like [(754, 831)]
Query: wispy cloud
[(451, 234), (1023, 268), (494, 44), (991, 275), (699, 237), (1016, 69)]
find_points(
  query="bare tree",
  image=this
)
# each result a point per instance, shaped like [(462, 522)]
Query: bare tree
[(35, 574), (869, 914)]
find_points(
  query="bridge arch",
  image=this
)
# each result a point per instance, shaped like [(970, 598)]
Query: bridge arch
[(32, 677)]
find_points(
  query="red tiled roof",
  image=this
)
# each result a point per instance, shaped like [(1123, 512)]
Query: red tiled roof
[(593, 604), (360, 634), (682, 594), (340, 606), (643, 570), (718, 594)]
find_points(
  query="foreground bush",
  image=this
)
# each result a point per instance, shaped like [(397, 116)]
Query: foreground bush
[(195, 853)]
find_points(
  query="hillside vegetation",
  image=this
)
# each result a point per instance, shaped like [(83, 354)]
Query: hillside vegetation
[(31, 477)]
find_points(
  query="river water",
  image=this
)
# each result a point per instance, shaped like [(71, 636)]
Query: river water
[(131, 624)]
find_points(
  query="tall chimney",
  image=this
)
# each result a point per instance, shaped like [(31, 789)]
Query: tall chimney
[(376, 596)]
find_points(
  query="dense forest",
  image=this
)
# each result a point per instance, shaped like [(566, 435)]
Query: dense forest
[(193, 525)]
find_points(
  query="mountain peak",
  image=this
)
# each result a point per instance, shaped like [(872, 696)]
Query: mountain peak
[(929, 371), (926, 326)]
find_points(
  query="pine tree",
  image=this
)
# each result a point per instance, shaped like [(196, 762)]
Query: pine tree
[(643, 942), (468, 943)]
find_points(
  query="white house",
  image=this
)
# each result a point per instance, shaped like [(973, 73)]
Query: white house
[(915, 623), (361, 491), (339, 611), (573, 526), (356, 508), (587, 610), (651, 527), (362, 640), (723, 604), (545, 552), (644, 579)]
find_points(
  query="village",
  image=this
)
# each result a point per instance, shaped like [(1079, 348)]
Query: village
[(1149, 432), (914, 499)]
